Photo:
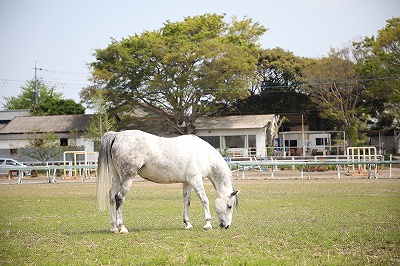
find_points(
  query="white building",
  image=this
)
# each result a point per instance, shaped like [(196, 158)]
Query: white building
[(245, 135), (385, 141), (68, 129)]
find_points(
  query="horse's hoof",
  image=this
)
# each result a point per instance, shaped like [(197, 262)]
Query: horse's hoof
[(208, 226), (124, 232), (115, 231), (189, 227)]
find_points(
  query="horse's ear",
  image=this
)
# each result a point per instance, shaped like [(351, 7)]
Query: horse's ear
[(234, 193)]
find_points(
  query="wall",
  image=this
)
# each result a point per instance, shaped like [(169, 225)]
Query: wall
[(259, 133), (384, 144), (17, 141)]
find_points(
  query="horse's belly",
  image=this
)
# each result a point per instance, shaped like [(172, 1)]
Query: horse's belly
[(161, 175)]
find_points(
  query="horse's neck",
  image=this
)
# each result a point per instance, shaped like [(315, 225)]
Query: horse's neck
[(223, 185)]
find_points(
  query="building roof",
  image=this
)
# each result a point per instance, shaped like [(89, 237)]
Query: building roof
[(8, 115), (236, 121), (54, 123)]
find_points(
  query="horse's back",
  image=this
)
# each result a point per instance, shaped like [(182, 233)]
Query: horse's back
[(164, 160)]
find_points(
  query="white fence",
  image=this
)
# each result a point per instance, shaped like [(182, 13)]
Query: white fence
[(81, 171), (371, 166)]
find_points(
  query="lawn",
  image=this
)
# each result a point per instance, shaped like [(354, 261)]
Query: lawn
[(278, 222)]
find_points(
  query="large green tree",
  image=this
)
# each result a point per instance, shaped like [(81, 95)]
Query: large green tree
[(184, 70), (278, 70), (27, 98), (332, 84), (379, 62), (47, 102), (277, 90)]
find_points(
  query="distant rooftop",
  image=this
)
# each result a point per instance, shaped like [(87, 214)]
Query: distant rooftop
[(52, 123), (8, 115), (236, 121)]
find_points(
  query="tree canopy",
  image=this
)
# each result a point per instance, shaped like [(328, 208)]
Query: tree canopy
[(50, 102), (380, 71), (332, 85), (277, 88), (184, 70)]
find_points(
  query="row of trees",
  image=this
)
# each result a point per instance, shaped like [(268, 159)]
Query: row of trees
[(206, 66)]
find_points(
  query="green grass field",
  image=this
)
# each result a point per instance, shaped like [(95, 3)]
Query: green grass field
[(278, 222)]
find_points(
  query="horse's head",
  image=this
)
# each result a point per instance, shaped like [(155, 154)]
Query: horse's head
[(224, 208)]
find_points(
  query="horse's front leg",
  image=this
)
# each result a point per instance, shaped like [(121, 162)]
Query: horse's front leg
[(199, 189), (187, 189), (119, 201)]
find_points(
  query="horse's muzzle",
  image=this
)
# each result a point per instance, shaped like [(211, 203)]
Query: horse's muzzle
[(223, 226)]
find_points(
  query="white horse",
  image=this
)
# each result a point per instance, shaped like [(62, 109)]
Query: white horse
[(185, 159)]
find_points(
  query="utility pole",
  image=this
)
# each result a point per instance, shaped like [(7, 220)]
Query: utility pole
[(36, 89), (36, 93)]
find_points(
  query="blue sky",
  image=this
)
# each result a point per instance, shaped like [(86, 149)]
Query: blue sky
[(61, 35)]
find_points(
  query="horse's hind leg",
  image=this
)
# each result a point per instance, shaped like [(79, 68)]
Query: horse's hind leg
[(187, 189), (119, 201), (113, 208)]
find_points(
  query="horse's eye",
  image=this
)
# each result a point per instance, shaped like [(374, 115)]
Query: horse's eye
[(229, 206)]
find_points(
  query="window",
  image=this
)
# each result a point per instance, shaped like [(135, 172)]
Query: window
[(213, 141), (291, 143), (63, 142), (8, 162), (235, 141), (321, 141), (252, 141)]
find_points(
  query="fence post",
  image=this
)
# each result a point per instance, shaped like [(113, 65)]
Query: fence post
[(54, 176), (369, 171), (272, 172), (20, 175)]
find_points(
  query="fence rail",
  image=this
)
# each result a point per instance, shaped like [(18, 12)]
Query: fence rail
[(306, 165), (51, 170), (82, 170)]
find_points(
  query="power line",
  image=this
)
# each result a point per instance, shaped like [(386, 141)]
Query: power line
[(84, 82)]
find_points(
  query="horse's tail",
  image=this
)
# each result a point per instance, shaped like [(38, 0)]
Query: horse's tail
[(103, 163)]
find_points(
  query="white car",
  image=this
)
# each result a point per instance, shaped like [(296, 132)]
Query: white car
[(7, 165)]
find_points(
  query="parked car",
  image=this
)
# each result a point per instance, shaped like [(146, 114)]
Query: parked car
[(12, 165)]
